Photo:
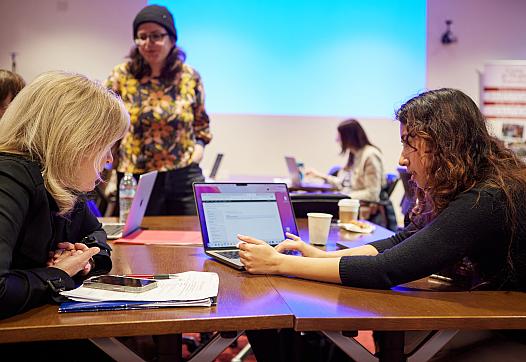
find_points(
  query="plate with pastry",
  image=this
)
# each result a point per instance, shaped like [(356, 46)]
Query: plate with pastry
[(357, 226)]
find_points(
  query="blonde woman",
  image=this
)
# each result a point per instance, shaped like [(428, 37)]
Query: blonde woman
[(55, 139)]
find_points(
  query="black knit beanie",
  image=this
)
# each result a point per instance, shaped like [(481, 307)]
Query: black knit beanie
[(155, 14)]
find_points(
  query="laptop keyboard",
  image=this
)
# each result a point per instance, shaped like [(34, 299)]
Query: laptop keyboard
[(113, 229), (230, 254)]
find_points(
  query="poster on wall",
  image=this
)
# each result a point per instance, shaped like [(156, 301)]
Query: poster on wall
[(504, 101)]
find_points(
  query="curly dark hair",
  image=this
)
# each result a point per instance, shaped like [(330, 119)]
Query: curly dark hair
[(173, 65), (462, 154), (352, 135)]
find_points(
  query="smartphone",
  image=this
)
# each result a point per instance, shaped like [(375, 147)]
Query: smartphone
[(120, 284)]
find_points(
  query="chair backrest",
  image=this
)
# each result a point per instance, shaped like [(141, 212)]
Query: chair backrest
[(304, 203), (334, 170), (405, 177), (390, 184), (93, 207)]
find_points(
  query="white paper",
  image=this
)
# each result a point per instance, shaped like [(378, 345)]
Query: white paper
[(187, 286)]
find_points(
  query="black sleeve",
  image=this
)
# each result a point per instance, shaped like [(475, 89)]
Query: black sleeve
[(397, 238), (467, 220), (92, 234), (21, 290)]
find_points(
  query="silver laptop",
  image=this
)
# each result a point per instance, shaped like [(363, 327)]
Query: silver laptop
[(137, 209), (296, 181), (215, 167), (261, 210)]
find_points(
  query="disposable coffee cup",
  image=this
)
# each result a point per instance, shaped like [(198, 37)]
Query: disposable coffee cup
[(319, 226), (348, 209)]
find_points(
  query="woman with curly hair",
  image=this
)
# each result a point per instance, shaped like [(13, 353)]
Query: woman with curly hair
[(169, 124), (469, 212)]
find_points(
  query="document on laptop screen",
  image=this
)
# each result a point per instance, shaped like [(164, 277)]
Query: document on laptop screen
[(229, 214)]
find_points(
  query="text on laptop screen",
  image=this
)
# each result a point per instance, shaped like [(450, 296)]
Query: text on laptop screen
[(261, 211), (254, 214)]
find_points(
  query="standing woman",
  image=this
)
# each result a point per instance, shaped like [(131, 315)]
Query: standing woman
[(169, 125), (49, 156)]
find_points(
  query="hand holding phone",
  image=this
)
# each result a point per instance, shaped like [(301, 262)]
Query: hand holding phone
[(120, 284)]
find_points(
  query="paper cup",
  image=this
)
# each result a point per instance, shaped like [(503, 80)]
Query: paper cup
[(348, 210), (319, 226)]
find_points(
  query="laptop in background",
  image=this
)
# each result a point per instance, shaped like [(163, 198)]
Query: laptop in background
[(137, 209), (296, 181), (215, 167), (260, 210)]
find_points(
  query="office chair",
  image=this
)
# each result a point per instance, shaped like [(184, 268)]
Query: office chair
[(303, 203), (333, 171), (93, 208), (382, 212)]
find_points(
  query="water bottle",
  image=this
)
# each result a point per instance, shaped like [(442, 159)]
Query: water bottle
[(301, 170), (127, 188)]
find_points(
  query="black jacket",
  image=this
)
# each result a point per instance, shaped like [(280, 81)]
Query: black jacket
[(29, 229)]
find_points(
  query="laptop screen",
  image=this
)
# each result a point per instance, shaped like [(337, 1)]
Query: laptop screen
[(294, 173), (260, 210), (216, 165)]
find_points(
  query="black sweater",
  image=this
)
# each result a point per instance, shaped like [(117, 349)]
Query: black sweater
[(473, 225), (29, 229)]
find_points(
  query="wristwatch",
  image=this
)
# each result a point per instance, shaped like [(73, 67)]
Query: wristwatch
[(56, 284)]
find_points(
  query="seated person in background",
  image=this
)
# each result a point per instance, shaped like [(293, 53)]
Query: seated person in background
[(470, 206), (362, 177), (10, 84), (50, 155)]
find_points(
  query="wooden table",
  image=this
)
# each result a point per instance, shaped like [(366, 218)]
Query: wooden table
[(244, 302), (425, 305), (264, 302)]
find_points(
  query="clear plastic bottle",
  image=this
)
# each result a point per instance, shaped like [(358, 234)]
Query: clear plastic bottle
[(301, 169), (127, 188)]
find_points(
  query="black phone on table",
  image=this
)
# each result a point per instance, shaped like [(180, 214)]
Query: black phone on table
[(120, 283)]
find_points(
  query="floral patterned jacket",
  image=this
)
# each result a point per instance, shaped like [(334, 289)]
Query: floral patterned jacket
[(167, 120)]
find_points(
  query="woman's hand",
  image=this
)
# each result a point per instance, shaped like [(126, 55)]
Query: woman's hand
[(75, 261), (66, 250), (258, 257), (199, 152), (310, 172), (295, 243)]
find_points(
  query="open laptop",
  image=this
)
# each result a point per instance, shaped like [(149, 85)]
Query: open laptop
[(137, 209), (215, 167), (260, 210), (297, 183)]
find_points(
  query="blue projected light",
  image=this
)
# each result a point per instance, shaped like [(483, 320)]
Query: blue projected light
[(293, 57)]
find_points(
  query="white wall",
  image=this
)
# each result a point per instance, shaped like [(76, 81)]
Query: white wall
[(256, 145), (92, 36), (85, 36), (486, 30)]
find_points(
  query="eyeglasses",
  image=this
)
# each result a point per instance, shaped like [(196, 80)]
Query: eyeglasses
[(154, 37)]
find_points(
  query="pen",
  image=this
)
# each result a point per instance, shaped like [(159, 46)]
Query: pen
[(152, 276), (440, 277)]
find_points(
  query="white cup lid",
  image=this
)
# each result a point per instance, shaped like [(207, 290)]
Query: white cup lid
[(349, 202), (319, 214)]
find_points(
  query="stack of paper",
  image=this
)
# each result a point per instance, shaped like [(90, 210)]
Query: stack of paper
[(181, 290)]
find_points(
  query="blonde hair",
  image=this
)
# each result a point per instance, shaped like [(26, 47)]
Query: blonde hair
[(59, 119)]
